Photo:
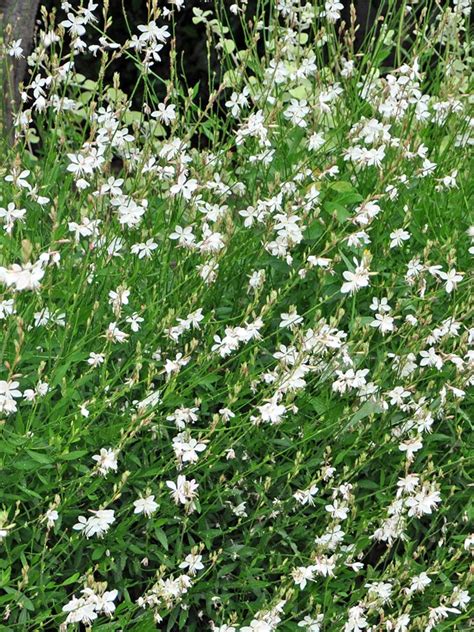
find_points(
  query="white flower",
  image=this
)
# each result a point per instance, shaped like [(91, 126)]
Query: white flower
[(410, 446), (463, 6), (18, 178), (114, 334), (151, 400), (165, 113), (80, 611), (357, 620), (424, 502), (105, 602), (311, 624), (325, 566), (290, 319), (452, 278), (384, 323), (240, 510), (8, 393), (332, 10), (80, 165), (184, 236), (89, 606), (75, 25), (106, 461), (187, 448), (380, 306), (152, 31), (366, 212), (380, 591), (398, 237), (251, 215), (14, 49), (183, 492), (87, 228), (130, 213), (331, 539), (355, 280), (44, 317), (338, 510), (7, 308), (296, 112), (184, 187), (302, 575), (10, 215), (272, 412), (348, 67), (95, 359), (193, 563), (398, 395), (146, 505), (257, 625), (85, 412), (469, 542), (226, 413), (26, 277), (460, 598), (305, 496), (319, 262), (144, 250), (97, 524), (431, 358), (173, 366), (418, 583), (401, 624), (51, 516), (233, 104), (316, 141), (135, 322)]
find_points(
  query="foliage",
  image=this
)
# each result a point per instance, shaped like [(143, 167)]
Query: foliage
[(234, 381)]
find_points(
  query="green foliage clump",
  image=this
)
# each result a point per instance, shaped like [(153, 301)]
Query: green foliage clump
[(236, 348)]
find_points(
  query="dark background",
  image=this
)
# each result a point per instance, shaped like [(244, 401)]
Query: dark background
[(190, 41)]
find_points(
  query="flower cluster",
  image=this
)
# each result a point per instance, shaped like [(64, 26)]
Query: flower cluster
[(236, 347)]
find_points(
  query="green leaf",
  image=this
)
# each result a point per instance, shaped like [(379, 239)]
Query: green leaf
[(228, 46), (183, 617), (301, 92), (71, 580), (367, 408), (314, 230), (342, 214), (130, 116), (161, 537), (39, 457), (24, 464), (341, 186), (98, 552), (72, 456)]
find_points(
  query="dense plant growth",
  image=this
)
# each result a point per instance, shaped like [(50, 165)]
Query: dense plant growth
[(236, 345)]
